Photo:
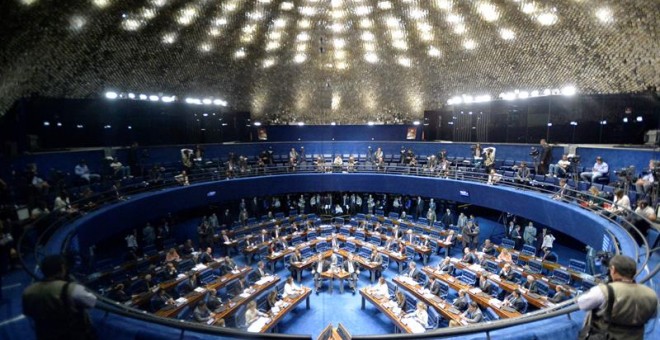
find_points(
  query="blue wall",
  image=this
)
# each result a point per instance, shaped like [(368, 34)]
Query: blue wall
[(278, 133), (120, 218)]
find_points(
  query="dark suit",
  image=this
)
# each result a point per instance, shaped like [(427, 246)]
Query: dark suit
[(261, 272), (228, 266), (506, 275), (413, 273), (378, 260), (531, 287), (461, 303), (489, 251), (469, 258), (475, 317), (434, 287), (205, 258), (446, 268), (214, 303), (158, 302), (559, 297), (485, 286), (518, 304)]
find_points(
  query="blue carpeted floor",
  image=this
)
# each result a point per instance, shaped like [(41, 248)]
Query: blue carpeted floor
[(325, 308)]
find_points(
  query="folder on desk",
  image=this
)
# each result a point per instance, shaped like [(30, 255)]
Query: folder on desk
[(509, 309)]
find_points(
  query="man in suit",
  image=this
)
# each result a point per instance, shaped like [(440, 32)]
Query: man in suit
[(377, 261), (472, 315), (351, 267), (419, 210), (531, 285), (517, 237), (516, 301), (474, 235), (160, 300), (228, 265), (488, 248), (264, 236), (295, 258), (461, 302), (484, 285), (214, 302), (506, 273), (261, 270), (227, 241), (433, 286), (447, 219), (561, 295), (410, 237), (412, 271), (468, 256), (466, 234), (318, 268), (446, 266), (206, 256)]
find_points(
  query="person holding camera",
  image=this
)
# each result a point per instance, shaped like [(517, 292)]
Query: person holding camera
[(620, 308)]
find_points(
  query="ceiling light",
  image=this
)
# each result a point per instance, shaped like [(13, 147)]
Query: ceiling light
[(639, 119), (443, 4), (257, 123), (384, 5), (303, 36), (101, 3), (366, 23), (205, 47), (367, 36), (569, 91), (207, 101), (507, 34), (159, 3), (300, 58), (547, 18), (240, 54), (371, 57), (605, 15), (434, 52), (169, 38), (111, 95), (268, 63), (404, 61), (219, 102), (77, 22), (131, 95), (301, 124), (154, 98), (528, 8), (469, 44), (416, 122), (488, 11), (286, 6)]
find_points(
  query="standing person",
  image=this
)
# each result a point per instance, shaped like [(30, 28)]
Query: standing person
[(58, 307), (620, 309), (529, 235), (546, 157)]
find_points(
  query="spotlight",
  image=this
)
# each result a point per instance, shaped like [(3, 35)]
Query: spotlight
[(416, 122), (625, 119), (131, 95), (143, 97), (639, 119), (569, 91), (154, 98), (301, 124), (46, 123), (111, 95), (574, 123), (257, 123), (207, 101)]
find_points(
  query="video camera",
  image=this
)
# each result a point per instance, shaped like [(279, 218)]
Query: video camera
[(534, 151), (573, 158), (625, 172)]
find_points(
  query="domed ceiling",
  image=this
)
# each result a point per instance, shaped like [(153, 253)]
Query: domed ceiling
[(322, 61)]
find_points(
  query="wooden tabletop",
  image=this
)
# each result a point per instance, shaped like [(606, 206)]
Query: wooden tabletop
[(379, 302)]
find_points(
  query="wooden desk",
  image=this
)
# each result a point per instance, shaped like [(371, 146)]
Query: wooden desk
[(272, 258), (380, 305), (442, 306), (193, 297), (308, 262), (292, 303), (239, 300), (340, 275), (508, 286), (365, 263), (481, 298), (399, 258)]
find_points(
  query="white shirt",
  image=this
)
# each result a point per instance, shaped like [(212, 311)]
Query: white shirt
[(622, 203), (290, 289), (547, 241), (563, 164), (381, 289), (602, 167)]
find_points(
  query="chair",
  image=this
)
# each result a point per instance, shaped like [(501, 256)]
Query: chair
[(287, 262), (543, 288), (311, 235), (181, 288), (349, 246), (496, 291), (207, 276), (560, 277), (517, 276), (393, 215), (375, 240), (422, 278), (492, 266), (364, 252), (468, 277), (535, 266), (490, 315), (411, 303), (444, 290), (528, 250), (433, 319), (360, 235), (322, 246), (184, 313), (385, 262), (296, 240), (345, 231), (525, 305), (239, 319), (577, 266), (508, 243)]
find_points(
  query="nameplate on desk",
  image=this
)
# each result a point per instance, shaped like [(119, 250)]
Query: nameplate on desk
[(453, 310), (291, 248), (509, 309), (534, 295), (210, 321), (181, 276), (200, 289), (495, 302), (276, 254), (235, 271), (223, 278), (181, 301), (245, 295)]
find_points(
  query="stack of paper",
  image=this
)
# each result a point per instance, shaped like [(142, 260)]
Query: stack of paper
[(180, 301), (200, 289), (257, 325)]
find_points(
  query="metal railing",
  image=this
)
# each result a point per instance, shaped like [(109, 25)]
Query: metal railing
[(217, 173)]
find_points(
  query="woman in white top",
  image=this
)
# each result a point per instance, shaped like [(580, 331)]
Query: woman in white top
[(290, 288), (621, 203), (252, 314), (421, 314), (381, 288), (548, 240)]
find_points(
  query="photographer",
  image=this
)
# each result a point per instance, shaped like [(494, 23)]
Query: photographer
[(645, 183), (546, 157)]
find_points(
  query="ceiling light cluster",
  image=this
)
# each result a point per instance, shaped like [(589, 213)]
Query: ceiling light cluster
[(568, 90), (113, 95)]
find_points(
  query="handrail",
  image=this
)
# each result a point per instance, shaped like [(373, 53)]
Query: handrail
[(560, 309)]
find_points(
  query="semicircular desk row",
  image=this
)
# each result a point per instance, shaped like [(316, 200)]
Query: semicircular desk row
[(121, 217)]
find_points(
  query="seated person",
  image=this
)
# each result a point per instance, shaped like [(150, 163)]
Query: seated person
[(172, 255), (206, 256), (290, 288), (228, 265), (506, 273), (400, 300), (202, 312), (461, 302), (645, 182), (261, 270), (446, 266), (433, 286), (337, 163), (252, 314), (190, 284), (271, 300), (420, 314), (380, 289), (522, 173), (170, 272), (160, 300), (484, 285), (82, 171), (530, 285), (214, 302), (562, 294), (118, 294), (376, 259), (515, 300), (505, 256), (599, 169), (412, 271), (488, 248), (468, 256), (188, 248), (182, 178), (472, 315), (318, 268), (560, 169)]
